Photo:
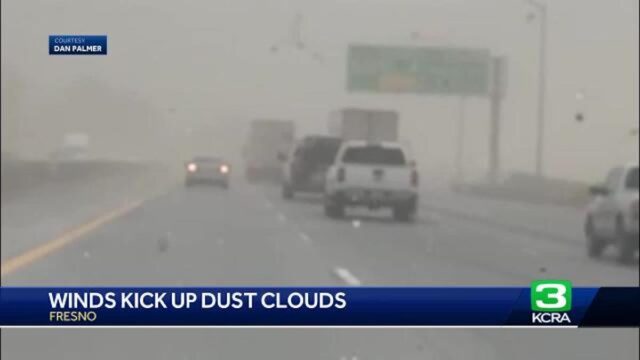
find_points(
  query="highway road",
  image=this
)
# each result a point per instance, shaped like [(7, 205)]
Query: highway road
[(248, 235)]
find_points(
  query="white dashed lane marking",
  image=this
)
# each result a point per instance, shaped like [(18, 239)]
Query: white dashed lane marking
[(346, 276)]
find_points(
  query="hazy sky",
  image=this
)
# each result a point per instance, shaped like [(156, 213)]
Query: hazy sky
[(210, 60)]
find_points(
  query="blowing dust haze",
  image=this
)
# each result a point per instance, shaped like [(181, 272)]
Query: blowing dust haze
[(365, 172), (188, 78)]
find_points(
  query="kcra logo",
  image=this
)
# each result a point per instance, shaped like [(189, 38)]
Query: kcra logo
[(550, 302)]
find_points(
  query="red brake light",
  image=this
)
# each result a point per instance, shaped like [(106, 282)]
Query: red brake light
[(225, 169), (341, 176), (192, 167)]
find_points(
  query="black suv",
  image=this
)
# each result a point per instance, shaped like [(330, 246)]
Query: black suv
[(305, 167)]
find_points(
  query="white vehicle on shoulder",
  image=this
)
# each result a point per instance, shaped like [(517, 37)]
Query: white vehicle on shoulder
[(372, 175), (612, 215)]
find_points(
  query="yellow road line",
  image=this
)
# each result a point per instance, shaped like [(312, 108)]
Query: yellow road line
[(39, 252)]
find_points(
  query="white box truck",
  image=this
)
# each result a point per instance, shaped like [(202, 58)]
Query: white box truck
[(364, 124)]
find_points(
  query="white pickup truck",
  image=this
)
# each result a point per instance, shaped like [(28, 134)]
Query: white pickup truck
[(373, 175), (612, 215)]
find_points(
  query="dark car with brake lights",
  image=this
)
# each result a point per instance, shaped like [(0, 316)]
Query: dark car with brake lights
[(207, 170)]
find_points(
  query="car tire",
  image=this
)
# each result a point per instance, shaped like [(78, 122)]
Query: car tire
[(595, 244), (225, 186), (287, 192), (624, 243), (188, 183)]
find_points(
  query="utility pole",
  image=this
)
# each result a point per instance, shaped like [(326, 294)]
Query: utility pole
[(497, 92), (460, 140), (541, 8)]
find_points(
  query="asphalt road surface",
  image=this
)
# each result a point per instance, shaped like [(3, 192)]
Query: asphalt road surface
[(248, 235)]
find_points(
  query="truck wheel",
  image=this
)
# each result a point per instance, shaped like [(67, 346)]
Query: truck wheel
[(595, 244), (287, 192), (624, 243), (188, 183)]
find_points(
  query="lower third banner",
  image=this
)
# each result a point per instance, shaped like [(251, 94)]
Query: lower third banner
[(545, 303)]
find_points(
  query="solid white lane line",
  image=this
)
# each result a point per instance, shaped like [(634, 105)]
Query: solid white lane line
[(346, 276)]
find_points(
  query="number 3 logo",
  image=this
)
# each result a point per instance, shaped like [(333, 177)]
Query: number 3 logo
[(557, 297), (551, 295)]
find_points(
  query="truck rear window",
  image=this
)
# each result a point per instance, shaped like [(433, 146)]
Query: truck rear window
[(320, 151), (374, 155)]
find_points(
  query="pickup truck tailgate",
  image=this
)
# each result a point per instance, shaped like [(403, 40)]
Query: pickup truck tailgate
[(378, 177)]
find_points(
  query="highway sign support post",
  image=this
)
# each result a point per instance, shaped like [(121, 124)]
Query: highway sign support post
[(497, 92), (460, 140), (542, 85)]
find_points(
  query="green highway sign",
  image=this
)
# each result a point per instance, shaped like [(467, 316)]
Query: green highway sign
[(418, 70)]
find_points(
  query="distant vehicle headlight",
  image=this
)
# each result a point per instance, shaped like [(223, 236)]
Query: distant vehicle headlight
[(224, 169), (192, 167)]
